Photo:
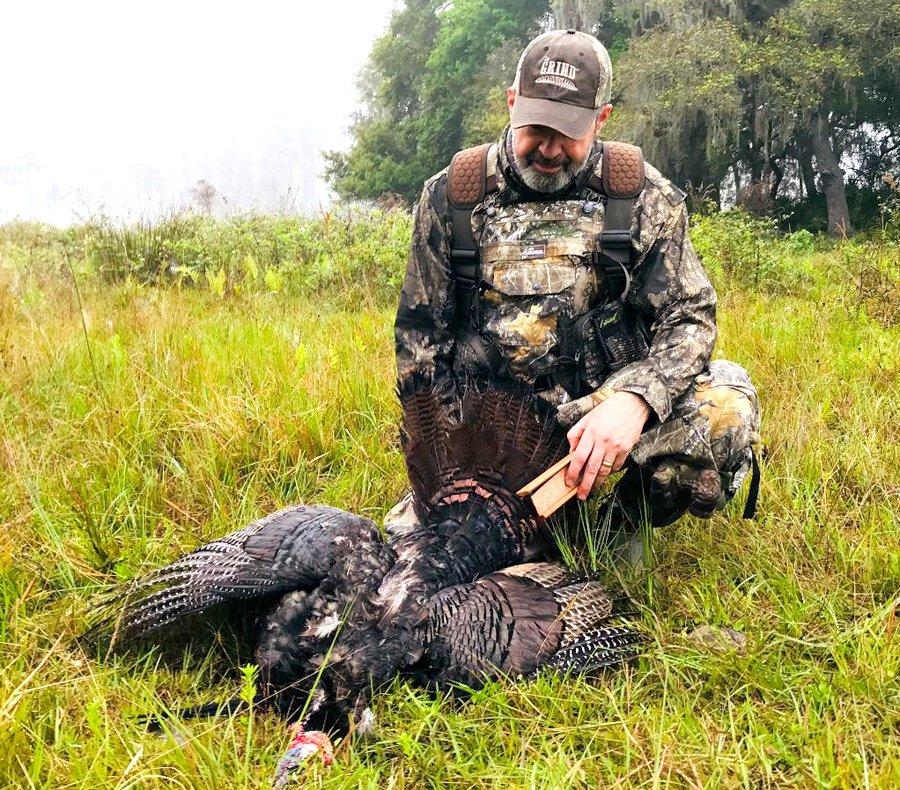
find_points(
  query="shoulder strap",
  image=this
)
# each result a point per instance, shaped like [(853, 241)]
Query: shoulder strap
[(471, 176), (621, 179)]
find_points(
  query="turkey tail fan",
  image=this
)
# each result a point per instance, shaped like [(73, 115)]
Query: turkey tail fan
[(468, 449), (499, 434), (291, 549), (521, 620)]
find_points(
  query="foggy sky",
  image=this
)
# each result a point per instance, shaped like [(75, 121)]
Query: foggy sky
[(124, 107)]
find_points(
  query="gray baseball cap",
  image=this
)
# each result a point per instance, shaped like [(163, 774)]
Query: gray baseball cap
[(563, 79)]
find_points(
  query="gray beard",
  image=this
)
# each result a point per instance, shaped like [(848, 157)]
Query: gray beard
[(548, 182)]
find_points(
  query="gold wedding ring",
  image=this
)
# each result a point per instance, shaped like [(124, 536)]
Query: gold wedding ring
[(606, 463)]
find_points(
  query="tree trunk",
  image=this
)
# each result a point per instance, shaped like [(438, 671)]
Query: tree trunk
[(828, 166), (756, 156), (777, 176), (801, 150)]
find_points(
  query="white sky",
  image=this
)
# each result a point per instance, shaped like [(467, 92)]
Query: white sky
[(123, 106)]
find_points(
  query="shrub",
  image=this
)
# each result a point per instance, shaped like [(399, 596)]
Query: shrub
[(354, 249), (145, 250), (745, 251)]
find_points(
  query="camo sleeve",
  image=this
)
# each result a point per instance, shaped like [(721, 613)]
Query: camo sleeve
[(672, 290), (423, 333)]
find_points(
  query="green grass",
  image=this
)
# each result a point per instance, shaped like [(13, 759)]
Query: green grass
[(200, 408)]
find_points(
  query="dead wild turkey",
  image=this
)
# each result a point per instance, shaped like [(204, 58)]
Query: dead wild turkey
[(341, 611)]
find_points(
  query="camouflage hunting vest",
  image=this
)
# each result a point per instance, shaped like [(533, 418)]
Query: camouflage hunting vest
[(535, 270), (523, 266)]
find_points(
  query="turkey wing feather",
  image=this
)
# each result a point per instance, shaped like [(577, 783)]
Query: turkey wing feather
[(519, 620), (291, 549)]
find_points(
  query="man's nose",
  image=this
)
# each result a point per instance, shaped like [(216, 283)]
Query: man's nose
[(550, 147)]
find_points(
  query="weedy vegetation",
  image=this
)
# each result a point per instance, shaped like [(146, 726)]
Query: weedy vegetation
[(206, 373)]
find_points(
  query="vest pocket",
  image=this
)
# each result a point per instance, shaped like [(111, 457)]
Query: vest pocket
[(534, 267), (530, 278), (534, 272)]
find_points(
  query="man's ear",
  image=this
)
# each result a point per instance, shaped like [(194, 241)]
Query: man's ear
[(603, 116), (510, 97)]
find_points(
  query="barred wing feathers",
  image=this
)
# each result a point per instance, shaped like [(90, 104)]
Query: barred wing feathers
[(521, 620), (291, 549)]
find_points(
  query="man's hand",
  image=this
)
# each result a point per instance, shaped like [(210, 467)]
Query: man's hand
[(603, 438)]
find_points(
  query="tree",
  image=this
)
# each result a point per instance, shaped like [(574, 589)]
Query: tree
[(579, 14), (385, 155), (709, 88), (434, 83), (679, 95), (783, 99), (840, 63)]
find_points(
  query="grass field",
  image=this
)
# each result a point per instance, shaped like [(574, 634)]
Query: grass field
[(142, 417)]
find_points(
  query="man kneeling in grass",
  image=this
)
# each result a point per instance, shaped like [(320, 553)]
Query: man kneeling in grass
[(561, 261)]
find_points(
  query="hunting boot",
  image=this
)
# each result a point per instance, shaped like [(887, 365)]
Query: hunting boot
[(705, 492)]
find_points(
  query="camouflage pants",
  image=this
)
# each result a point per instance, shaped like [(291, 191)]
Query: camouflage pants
[(696, 459), (699, 457)]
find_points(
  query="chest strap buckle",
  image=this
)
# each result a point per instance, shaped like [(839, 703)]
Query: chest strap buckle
[(613, 259)]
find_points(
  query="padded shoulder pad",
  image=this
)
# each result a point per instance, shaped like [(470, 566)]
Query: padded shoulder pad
[(466, 181), (623, 170)]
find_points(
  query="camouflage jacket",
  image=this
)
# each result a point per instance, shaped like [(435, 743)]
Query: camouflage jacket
[(534, 271)]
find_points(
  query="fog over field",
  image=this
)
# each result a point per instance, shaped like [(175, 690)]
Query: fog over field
[(137, 109)]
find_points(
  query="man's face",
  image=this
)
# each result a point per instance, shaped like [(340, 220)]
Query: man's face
[(548, 160)]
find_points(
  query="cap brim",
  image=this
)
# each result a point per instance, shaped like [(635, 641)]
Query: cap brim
[(568, 119)]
